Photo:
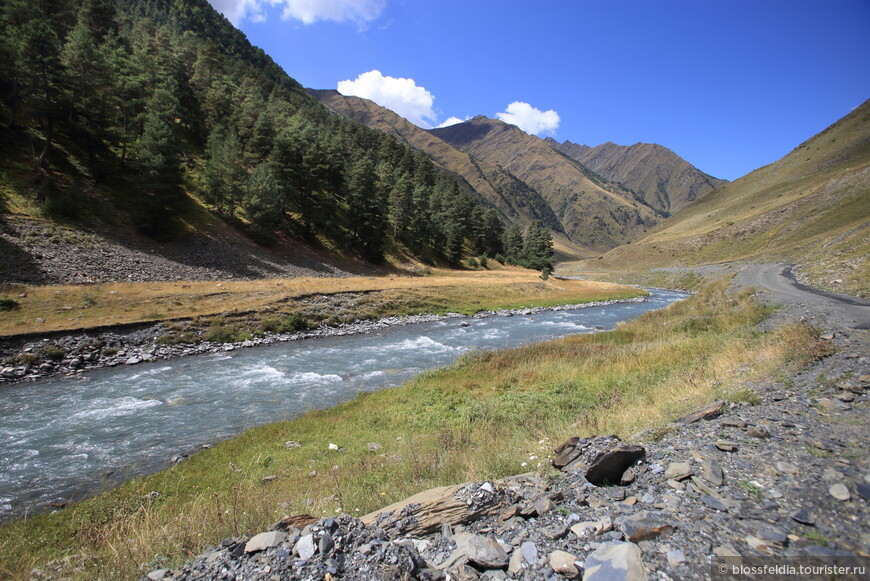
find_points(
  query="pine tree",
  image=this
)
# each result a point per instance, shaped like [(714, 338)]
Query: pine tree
[(538, 247), (512, 242)]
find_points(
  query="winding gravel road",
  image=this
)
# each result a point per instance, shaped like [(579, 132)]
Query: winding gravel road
[(779, 286)]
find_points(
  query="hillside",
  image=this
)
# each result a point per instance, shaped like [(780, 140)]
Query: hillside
[(517, 202), (811, 207), (156, 127), (657, 175), (594, 214)]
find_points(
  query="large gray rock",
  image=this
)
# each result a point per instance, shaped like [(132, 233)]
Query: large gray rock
[(305, 547), (562, 562), (481, 551), (602, 459), (264, 541), (615, 561), (644, 525)]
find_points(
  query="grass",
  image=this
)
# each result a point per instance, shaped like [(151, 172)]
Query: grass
[(74, 307), (483, 417)]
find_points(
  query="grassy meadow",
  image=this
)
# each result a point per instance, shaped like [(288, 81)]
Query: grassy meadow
[(489, 415), (75, 307)]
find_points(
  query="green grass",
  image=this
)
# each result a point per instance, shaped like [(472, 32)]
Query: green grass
[(481, 418)]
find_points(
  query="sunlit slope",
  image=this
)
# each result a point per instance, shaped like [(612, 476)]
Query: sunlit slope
[(810, 207)]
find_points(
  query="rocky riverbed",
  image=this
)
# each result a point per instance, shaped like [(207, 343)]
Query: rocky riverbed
[(786, 474), (59, 354)]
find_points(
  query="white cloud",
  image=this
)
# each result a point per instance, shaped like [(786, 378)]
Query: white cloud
[(238, 10), (359, 12), (309, 11), (452, 121), (529, 119), (403, 96)]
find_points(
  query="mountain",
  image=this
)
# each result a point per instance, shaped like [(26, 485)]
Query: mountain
[(515, 200), (812, 207), (594, 212), (657, 175)]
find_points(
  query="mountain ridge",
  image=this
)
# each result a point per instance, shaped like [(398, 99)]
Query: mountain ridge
[(593, 215), (669, 188)]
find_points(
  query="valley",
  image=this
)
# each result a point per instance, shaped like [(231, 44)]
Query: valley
[(250, 330)]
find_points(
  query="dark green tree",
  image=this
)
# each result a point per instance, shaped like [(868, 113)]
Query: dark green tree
[(538, 247)]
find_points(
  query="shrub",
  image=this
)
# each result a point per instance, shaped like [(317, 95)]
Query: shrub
[(218, 333), (8, 305), (291, 324), (52, 352)]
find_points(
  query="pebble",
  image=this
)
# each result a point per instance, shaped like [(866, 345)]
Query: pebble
[(840, 492)]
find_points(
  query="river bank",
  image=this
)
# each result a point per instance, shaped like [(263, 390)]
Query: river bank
[(71, 355)]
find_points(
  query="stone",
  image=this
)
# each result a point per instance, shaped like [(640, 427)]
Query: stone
[(602, 459), (772, 536), (481, 551), (264, 541), (305, 547), (562, 562), (675, 557), (711, 471), (373, 446), (292, 444), (863, 490), (676, 485), (605, 524), (543, 506), (803, 517), (584, 529), (759, 545), (515, 565), (326, 543), (643, 525), (713, 502), (157, 574), (704, 488), (615, 561), (840, 492), (726, 445), (678, 471), (530, 552), (759, 432), (787, 468), (708, 412), (726, 550)]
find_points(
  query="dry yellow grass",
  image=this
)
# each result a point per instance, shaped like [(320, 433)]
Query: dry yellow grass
[(73, 307)]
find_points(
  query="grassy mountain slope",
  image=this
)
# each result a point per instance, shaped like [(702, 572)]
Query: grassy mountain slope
[(656, 174), (811, 207), (594, 213), (517, 201)]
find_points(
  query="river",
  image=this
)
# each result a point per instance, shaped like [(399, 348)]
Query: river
[(64, 439)]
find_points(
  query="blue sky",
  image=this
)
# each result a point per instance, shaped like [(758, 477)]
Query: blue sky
[(730, 85)]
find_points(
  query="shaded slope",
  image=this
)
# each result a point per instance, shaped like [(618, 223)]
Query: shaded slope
[(810, 207), (516, 200), (595, 213), (657, 175)]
